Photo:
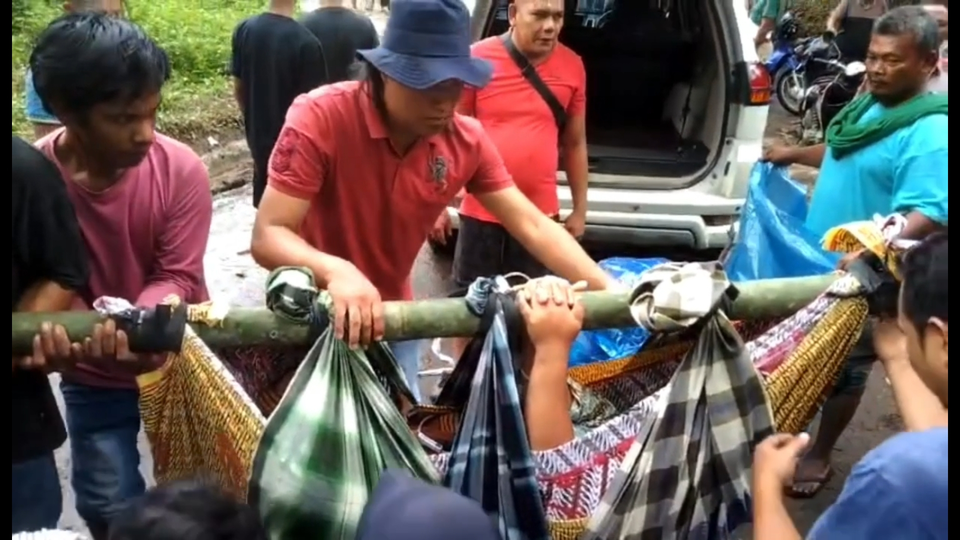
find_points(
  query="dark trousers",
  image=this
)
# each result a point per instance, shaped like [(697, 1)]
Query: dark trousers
[(37, 499), (259, 180), (486, 249)]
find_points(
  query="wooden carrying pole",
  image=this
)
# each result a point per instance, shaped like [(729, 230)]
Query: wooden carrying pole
[(448, 317)]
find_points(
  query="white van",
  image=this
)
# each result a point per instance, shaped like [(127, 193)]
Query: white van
[(677, 103)]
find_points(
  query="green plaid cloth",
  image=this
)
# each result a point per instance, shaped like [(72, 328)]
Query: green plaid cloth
[(687, 474), (333, 433)]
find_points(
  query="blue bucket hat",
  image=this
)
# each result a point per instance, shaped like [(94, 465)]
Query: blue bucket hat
[(427, 42)]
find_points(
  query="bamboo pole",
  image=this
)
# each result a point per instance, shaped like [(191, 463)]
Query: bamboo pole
[(447, 317)]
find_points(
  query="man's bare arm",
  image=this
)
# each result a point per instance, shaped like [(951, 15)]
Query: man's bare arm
[(767, 25), (547, 403), (811, 156), (835, 20), (770, 517), (275, 241), (919, 227), (575, 161), (46, 297)]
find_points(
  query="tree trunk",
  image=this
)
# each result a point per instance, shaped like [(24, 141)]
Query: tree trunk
[(448, 317)]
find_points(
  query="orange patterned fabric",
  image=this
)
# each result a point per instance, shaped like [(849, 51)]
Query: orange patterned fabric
[(199, 420)]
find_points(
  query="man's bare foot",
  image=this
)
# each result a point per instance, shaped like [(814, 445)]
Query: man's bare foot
[(812, 474)]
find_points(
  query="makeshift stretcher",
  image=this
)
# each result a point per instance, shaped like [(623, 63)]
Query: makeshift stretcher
[(664, 437)]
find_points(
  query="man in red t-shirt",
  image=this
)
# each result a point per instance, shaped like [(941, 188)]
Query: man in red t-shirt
[(361, 171), (526, 128)]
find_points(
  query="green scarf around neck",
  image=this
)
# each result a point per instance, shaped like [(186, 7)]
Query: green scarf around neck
[(846, 135)]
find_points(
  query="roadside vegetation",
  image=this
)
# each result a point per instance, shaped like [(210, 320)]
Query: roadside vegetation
[(813, 14), (195, 33)]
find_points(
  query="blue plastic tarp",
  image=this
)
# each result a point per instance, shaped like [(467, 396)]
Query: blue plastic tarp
[(773, 241), (601, 345)]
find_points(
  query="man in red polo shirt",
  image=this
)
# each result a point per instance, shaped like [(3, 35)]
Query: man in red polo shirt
[(361, 171), (535, 100)]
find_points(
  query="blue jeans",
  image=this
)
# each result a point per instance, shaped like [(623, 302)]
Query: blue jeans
[(103, 424), (36, 113), (37, 499), (408, 355)]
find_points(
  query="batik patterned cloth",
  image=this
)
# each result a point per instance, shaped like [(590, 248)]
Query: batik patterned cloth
[(491, 461), (686, 476), (199, 419), (880, 235)]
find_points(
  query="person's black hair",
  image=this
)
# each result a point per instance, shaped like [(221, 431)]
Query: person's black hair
[(372, 78), (913, 21), (924, 291), (187, 511), (84, 59)]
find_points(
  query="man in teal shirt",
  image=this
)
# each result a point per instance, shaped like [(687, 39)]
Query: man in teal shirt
[(765, 14), (885, 153)]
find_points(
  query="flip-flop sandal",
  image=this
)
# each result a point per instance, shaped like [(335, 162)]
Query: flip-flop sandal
[(815, 485)]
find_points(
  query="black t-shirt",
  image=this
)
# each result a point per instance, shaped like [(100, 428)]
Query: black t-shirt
[(47, 246), (342, 32), (276, 60)]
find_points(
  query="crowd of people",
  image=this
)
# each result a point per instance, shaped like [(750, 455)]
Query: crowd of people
[(355, 162)]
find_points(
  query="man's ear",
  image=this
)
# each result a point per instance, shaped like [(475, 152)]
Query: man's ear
[(938, 335), (512, 13), (944, 333), (931, 62)]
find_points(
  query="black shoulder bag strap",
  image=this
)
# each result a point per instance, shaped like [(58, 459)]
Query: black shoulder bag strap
[(530, 74)]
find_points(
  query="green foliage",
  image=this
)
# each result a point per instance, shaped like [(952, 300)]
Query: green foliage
[(812, 14), (196, 35)]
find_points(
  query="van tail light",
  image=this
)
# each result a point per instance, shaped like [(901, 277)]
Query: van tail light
[(760, 84)]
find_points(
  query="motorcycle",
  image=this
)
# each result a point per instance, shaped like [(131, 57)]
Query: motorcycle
[(784, 57), (827, 96), (815, 58), (785, 46)]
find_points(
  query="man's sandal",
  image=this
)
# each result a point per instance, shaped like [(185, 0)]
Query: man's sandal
[(809, 487)]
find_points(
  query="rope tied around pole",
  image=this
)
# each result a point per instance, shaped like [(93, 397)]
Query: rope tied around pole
[(292, 294), (672, 297), (479, 292)]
